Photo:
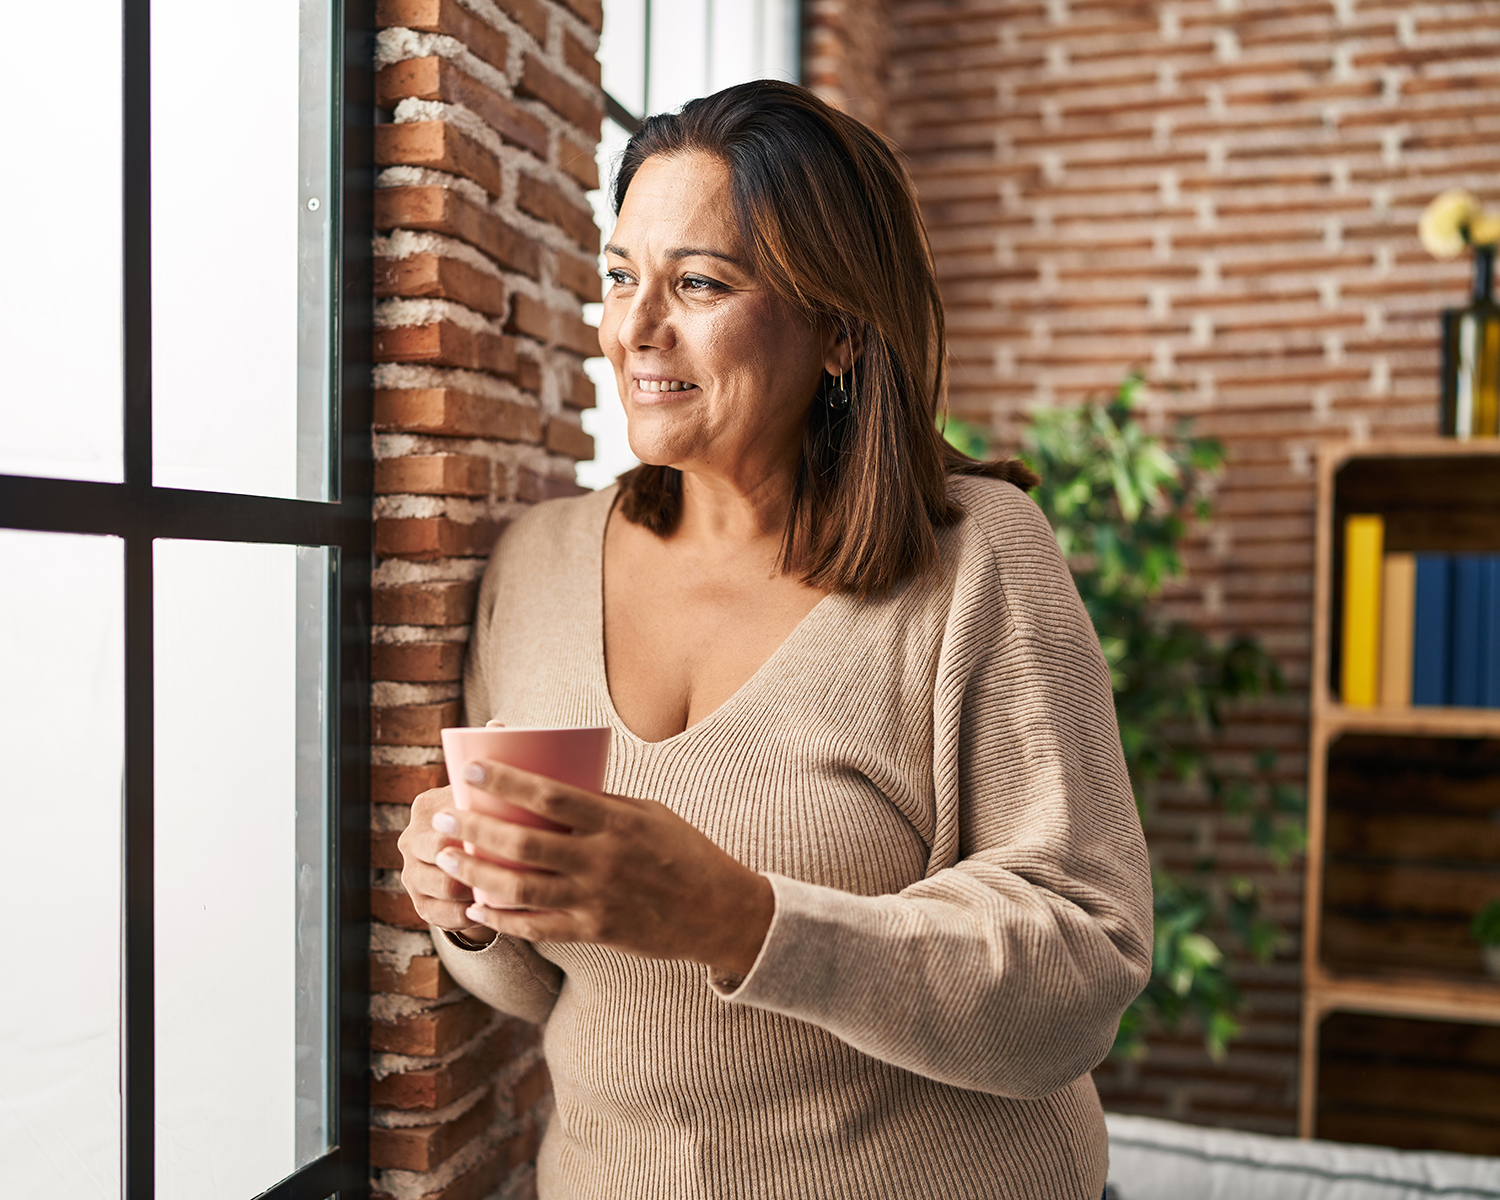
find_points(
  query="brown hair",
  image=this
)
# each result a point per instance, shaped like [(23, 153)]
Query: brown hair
[(830, 221)]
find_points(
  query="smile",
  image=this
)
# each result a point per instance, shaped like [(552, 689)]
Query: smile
[(664, 385)]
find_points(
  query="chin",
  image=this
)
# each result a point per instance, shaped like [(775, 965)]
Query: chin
[(654, 446)]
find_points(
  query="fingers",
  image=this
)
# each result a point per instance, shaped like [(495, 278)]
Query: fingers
[(502, 886), (493, 837), (571, 807)]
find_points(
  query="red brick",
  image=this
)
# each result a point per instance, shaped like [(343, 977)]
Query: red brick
[(441, 603), (563, 437), (435, 78), (530, 1088), (425, 977), (434, 1032), (579, 275), (395, 908), (531, 317), (533, 487), (439, 147), (446, 344), (442, 210), (528, 13), (422, 276), (590, 12), (529, 375), (414, 724), (484, 1178), (385, 855), (417, 662), (420, 538), (433, 475), (536, 319), (401, 783), (578, 161), (451, 413), (437, 1087), (539, 82), (581, 59), (447, 17), (546, 203), (579, 391), (423, 1147)]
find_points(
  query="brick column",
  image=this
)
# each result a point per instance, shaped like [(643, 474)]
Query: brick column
[(485, 255)]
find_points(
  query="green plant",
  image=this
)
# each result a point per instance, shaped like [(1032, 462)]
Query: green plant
[(1119, 498), (1485, 928)]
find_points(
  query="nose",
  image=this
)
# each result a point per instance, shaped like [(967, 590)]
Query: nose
[(646, 323)]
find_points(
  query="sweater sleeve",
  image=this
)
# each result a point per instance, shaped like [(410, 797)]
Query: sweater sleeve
[(1006, 969), (507, 974)]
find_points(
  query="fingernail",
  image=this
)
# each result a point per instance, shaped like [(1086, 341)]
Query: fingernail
[(448, 861), (474, 772), (475, 914), (445, 823)]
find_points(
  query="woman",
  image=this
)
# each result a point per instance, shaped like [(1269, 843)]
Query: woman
[(869, 893)]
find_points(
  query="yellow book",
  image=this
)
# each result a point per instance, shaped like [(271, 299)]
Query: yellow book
[(1398, 618), (1364, 535)]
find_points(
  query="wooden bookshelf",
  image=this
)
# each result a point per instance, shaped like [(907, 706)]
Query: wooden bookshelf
[(1403, 839)]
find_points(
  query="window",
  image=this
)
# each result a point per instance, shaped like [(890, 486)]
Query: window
[(657, 54), (184, 604)]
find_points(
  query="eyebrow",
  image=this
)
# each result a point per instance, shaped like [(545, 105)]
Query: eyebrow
[(679, 253)]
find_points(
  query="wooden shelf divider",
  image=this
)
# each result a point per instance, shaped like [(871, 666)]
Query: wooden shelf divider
[(1456, 507)]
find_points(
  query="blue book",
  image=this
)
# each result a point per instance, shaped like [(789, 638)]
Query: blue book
[(1466, 634), (1491, 696), (1429, 655)]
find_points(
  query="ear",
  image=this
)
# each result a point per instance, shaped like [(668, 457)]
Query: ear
[(841, 348)]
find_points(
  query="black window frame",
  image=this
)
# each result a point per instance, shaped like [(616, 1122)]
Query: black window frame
[(139, 513)]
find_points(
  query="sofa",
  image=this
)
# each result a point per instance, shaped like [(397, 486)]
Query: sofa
[(1151, 1159)]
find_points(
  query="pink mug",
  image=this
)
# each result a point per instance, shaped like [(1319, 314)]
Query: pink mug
[(572, 756)]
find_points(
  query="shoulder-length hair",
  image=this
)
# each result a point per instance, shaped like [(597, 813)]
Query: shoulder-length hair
[(829, 219)]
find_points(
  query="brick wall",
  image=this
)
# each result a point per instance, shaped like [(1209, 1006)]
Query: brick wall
[(485, 255), (845, 55), (1223, 193)]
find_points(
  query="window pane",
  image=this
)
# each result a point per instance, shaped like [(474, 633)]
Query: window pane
[(241, 876), (622, 53), (241, 228), (64, 292), (62, 717)]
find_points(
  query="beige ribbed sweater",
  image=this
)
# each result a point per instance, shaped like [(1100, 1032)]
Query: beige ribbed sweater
[(933, 783)]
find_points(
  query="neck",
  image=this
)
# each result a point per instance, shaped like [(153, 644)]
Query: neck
[(734, 512)]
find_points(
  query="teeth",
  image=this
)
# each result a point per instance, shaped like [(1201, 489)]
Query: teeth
[(663, 385)]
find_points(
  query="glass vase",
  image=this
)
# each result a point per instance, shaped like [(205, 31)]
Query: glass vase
[(1471, 358)]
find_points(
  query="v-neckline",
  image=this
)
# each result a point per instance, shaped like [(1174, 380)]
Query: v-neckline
[(601, 666)]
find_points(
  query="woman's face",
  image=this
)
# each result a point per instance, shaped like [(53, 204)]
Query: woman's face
[(715, 370)]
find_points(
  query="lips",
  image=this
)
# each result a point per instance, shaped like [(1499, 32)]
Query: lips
[(664, 385)]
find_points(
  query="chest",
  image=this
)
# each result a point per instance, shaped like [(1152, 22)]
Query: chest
[(681, 637)]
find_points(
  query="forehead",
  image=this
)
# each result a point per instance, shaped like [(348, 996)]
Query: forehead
[(682, 200)]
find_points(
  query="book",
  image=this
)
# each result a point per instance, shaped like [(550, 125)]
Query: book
[(1429, 656), (1398, 598), (1364, 534), (1490, 697), (1466, 635)]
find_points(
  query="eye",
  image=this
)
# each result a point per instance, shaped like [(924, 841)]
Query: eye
[(698, 283), (618, 276)]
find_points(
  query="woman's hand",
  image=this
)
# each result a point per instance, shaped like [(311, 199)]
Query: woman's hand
[(438, 898), (632, 875)]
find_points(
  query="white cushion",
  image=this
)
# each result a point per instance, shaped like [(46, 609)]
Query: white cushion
[(1165, 1160)]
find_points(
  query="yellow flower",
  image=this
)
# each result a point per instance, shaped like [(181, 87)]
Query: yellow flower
[(1484, 230), (1445, 223)]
